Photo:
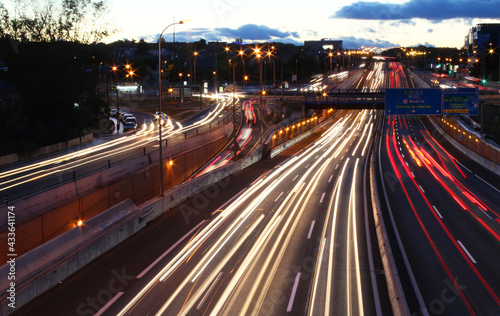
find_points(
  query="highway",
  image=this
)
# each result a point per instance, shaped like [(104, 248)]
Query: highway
[(446, 211), (295, 235), (446, 218), (34, 176), (245, 258), (248, 137), (297, 241)]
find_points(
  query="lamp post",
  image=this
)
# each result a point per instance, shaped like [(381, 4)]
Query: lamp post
[(117, 101), (234, 108), (258, 55), (241, 52), (194, 68), (159, 103), (330, 54)]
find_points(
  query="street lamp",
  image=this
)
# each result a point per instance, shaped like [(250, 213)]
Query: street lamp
[(242, 53), (117, 101), (330, 54), (194, 68), (159, 103), (258, 55), (234, 108)]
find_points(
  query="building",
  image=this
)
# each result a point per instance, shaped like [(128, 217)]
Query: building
[(483, 37), (324, 44), (482, 44)]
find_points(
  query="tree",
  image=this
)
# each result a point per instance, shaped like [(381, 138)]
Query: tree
[(142, 48), (80, 21)]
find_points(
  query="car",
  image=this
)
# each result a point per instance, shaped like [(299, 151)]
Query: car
[(132, 120), (162, 115), (128, 125), (127, 115)]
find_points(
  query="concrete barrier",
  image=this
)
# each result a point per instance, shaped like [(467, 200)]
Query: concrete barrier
[(41, 268), (8, 159), (13, 158), (486, 163), (394, 287)]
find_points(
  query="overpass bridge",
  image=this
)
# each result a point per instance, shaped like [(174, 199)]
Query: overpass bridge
[(343, 99), (349, 99)]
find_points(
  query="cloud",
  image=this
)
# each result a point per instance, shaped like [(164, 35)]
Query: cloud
[(403, 22), (255, 32), (249, 32), (433, 10), (355, 43)]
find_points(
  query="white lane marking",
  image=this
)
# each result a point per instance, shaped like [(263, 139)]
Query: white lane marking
[(484, 212), (168, 251), (311, 230), (105, 307), (336, 167), (330, 180), (278, 197), (423, 191), (294, 291), (413, 174), (486, 182), (437, 212), (295, 178), (466, 251), (322, 197), (209, 291), (464, 166), (406, 162), (307, 165), (403, 155)]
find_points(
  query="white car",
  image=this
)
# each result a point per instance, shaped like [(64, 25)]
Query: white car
[(131, 122), (127, 115), (162, 115)]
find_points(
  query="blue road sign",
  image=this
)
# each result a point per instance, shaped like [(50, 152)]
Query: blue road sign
[(461, 101), (401, 101)]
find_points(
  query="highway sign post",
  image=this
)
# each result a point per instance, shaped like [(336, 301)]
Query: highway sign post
[(402, 101), (462, 101)]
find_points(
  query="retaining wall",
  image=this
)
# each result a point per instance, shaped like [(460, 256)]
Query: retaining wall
[(468, 142), (13, 158)]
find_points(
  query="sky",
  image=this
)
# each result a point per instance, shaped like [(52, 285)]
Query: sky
[(379, 24)]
